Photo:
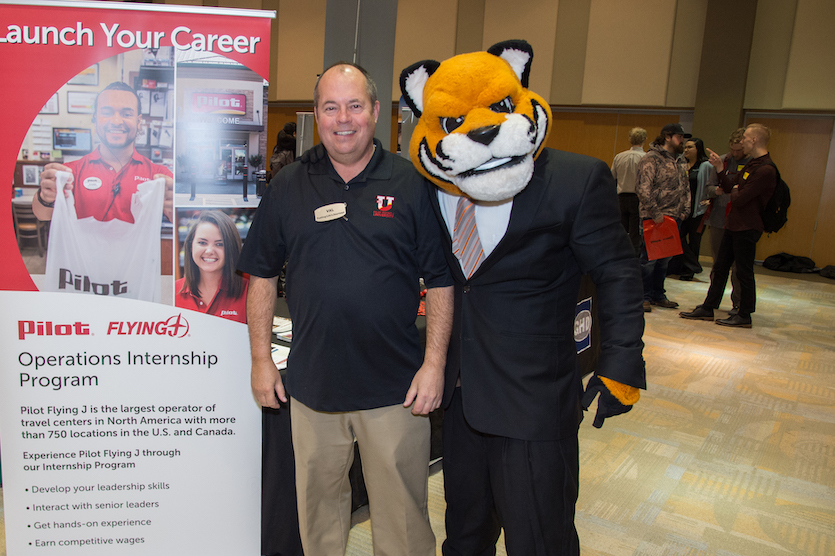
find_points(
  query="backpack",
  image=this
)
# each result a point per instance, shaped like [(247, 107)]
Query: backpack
[(775, 213)]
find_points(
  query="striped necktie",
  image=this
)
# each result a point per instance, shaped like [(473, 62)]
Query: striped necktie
[(465, 242)]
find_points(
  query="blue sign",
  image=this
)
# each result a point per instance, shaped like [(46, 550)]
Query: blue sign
[(582, 325)]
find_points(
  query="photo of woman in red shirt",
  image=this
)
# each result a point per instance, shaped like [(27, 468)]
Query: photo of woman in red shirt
[(210, 284)]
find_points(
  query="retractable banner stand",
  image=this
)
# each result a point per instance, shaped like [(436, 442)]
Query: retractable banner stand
[(126, 426)]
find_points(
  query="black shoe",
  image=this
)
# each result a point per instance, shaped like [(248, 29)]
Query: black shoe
[(699, 313), (686, 278), (647, 307), (666, 303), (733, 312), (737, 321)]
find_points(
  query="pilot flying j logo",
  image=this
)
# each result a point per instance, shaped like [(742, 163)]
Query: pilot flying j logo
[(175, 326), (384, 206)]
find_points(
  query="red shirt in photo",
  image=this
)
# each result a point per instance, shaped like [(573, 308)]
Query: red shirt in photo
[(94, 183), (220, 306)]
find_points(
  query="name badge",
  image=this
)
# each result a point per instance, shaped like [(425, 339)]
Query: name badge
[(330, 212), (92, 183)]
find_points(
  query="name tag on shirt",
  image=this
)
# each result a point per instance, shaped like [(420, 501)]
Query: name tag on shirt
[(330, 212), (92, 183)]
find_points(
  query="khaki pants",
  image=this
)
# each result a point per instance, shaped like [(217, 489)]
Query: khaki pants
[(394, 445)]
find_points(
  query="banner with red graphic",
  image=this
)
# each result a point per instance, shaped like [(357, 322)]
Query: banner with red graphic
[(126, 426)]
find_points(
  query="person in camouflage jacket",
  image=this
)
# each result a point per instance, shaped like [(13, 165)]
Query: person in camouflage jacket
[(663, 189)]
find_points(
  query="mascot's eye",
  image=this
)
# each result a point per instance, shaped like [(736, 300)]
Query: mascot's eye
[(451, 124), (506, 106)]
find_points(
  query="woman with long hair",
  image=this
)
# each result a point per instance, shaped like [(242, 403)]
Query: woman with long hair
[(701, 174), (210, 284)]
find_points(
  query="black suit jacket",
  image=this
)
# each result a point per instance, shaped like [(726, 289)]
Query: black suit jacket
[(513, 330)]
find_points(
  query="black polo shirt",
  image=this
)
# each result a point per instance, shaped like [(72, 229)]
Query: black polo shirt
[(352, 282)]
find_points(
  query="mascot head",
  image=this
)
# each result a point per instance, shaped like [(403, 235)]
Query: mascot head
[(480, 128)]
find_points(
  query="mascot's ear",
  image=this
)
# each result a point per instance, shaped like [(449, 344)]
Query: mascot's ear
[(413, 80), (518, 54)]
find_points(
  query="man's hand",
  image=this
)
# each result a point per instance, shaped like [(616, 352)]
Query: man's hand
[(49, 190), (48, 185), (426, 391), (715, 160), (266, 381), (168, 205), (658, 220), (267, 386)]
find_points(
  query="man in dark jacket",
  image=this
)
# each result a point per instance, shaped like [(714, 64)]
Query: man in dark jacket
[(750, 191)]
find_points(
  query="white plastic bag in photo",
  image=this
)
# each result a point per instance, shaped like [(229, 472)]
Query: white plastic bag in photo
[(113, 258)]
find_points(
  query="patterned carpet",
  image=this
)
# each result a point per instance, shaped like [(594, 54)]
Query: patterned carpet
[(731, 450)]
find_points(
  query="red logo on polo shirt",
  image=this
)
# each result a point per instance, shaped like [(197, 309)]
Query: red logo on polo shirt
[(384, 204)]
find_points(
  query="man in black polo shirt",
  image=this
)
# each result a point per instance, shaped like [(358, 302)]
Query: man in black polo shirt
[(356, 227)]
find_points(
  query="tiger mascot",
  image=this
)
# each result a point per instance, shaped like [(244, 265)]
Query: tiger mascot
[(534, 220)]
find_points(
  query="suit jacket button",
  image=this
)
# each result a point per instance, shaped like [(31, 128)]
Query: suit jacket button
[(466, 289)]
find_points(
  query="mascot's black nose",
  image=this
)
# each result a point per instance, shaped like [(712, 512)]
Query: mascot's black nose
[(484, 135)]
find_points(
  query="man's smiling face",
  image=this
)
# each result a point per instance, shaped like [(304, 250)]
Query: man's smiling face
[(345, 115), (117, 118)]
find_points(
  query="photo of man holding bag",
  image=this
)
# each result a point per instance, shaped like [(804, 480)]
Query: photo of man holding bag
[(105, 231), (105, 179)]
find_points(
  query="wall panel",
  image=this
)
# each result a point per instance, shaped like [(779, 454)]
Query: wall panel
[(603, 134), (422, 35), (469, 30), (628, 52), (726, 52), (243, 4), (770, 47), (823, 249), (301, 49), (687, 53), (589, 133), (799, 147), (532, 20), (569, 53), (810, 76)]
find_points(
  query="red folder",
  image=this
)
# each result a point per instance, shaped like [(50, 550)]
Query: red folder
[(662, 240)]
